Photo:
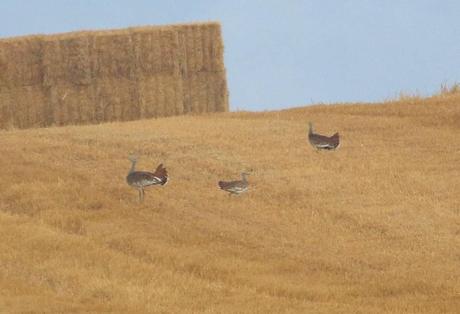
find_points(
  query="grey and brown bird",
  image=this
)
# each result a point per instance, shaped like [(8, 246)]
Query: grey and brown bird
[(235, 187), (319, 141), (141, 179)]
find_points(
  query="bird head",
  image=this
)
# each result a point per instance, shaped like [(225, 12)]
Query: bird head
[(244, 174), (133, 157)]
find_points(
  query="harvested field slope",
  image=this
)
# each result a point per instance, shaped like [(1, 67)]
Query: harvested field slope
[(371, 228)]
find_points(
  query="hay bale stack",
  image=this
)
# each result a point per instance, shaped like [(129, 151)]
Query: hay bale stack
[(202, 67), (118, 75)]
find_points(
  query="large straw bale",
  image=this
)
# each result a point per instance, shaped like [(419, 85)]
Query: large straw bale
[(21, 62), (181, 52), (116, 99), (156, 51), (202, 68), (161, 95), (6, 109), (67, 60), (114, 56), (72, 104), (149, 97), (216, 49), (197, 44), (91, 77), (105, 100), (205, 92), (23, 106), (211, 48), (172, 87), (202, 47), (147, 52), (207, 37), (218, 102), (192, 54), (191, 95)]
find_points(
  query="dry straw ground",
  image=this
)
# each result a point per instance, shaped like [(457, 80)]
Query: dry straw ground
[(371, 228)]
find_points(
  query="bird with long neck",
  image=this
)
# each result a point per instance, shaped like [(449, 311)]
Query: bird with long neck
[(133, 160), (319, 141), (310, 130), (235, 187), (141, 179)]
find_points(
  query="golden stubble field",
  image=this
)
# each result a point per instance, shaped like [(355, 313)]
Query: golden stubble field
[(371, 228)]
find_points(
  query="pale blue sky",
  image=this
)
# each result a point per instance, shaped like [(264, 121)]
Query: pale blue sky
[(288, 53)]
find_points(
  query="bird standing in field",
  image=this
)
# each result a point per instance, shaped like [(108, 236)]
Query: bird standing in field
[(141, 179), (235, 187), (319, 141)]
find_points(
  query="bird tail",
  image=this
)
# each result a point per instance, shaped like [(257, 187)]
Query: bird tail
[(222, 184), (162, 174), (335, 139)]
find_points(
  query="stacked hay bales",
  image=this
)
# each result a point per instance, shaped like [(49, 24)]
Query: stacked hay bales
[(92, 77)]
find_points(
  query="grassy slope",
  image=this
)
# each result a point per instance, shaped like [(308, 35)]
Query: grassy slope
[(371, 228)]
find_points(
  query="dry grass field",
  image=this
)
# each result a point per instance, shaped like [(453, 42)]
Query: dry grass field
[(373, 227)]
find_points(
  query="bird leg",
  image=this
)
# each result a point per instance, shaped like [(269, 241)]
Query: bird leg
[(142, 190)]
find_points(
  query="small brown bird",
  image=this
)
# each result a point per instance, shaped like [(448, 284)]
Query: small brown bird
[(319, 141), (141, 179), (235, 187)]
